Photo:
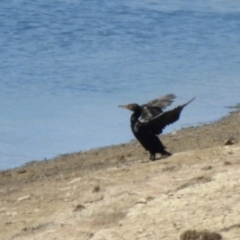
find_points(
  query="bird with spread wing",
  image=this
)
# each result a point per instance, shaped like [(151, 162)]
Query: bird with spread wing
[(149, 120)]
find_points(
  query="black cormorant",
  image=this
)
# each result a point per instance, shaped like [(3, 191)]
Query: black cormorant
[(149, 120)]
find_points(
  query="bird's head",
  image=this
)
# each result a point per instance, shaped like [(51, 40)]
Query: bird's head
[(133, 107)]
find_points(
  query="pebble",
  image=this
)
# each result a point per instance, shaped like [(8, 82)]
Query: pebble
[(79, 207), (142, 201), (96, 189), (228, 142)]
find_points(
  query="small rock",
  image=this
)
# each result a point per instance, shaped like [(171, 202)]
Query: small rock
[(79, 207), (96, 188), (142, 201), (227, 163), (149, 198), (228, 142), (21, 171)]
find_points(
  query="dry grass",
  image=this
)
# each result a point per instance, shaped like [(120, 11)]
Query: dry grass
[(200, 235)]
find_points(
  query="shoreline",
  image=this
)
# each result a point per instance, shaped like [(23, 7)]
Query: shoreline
[(165, 137), (232, 109)]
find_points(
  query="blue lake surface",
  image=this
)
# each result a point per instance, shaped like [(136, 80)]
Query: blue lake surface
[(65, 66)]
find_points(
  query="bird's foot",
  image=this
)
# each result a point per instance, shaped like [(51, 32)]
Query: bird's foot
[(166, 154)]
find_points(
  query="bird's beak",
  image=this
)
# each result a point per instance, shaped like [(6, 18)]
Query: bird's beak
[(124, 106)]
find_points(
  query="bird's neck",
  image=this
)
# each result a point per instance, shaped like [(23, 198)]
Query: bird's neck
[(135, 123), (135, 116)]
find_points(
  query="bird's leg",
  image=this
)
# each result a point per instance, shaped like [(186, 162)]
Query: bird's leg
[(152, 156)]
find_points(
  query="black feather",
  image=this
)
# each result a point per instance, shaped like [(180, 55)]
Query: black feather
[(148, 121)]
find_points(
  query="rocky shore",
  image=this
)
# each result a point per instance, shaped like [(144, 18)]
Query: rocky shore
[(116, 192)]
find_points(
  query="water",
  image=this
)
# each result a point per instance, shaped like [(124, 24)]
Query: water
[(67, 65)]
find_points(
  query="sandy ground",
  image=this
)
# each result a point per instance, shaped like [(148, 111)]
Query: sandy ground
[(118, 193)]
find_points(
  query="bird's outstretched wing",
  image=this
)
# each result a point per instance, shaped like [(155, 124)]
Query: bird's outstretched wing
[(154, 108), (157, 124)]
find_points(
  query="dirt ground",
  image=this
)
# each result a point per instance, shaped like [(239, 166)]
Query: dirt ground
[(118, 193)]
